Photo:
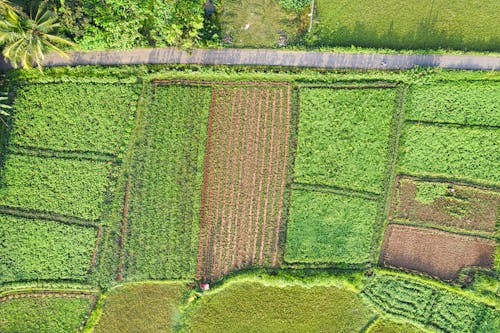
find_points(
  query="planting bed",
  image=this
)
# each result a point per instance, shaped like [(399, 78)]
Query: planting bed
[(445, 204), (245, 178), (434, 252)]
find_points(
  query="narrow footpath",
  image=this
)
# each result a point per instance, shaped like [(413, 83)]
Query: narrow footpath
[(328, 60)]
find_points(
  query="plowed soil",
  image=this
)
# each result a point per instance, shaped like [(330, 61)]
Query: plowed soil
[(434, 252), (461, 206), (244, 180)]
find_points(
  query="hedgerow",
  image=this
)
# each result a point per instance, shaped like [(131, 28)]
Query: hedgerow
[(43, 314), (167, 172), (63, 186), (450, 152), (472, 103), (330, 228), (344, 137), (44, 250), (75, 116)]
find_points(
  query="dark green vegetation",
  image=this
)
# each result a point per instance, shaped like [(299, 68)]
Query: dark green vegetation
[(344, 137), (432, 306), (251, 306), (62, 186), (43, 313), (101, 178), (44, 250), (414, 24), (450, 151), (330, 228), (387, 326), (167, 172), (468, 103), (75, 116), (145, 308)]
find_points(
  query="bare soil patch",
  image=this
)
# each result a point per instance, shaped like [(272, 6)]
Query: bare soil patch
[(244, 181), (434, 252), (445, 204)]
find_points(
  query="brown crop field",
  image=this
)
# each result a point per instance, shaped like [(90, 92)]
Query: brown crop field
[(445, 204), (434, 252), (245, 178)]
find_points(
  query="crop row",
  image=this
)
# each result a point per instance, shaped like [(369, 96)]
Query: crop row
[(75, 116), (468, 103), (44, 250), (166, 178), (344, 137), (245, 179), (436, 307), (450, 151)]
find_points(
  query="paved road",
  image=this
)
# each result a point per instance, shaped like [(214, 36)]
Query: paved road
[(327, 60)]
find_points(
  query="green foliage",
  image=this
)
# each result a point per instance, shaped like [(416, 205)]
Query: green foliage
[(25, 39), (146, 308), (297, 5), (63, 186), (473, 103), (413, 24), (387, 326), (255, 307), (129, 23), (456, 152), (329, 228), (43, 314), (344, 137), (428, 305), (75, 116), (167, 171), (428, 192), (42, 250)]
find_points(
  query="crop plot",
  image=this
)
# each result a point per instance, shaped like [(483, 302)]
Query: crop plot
[(344, 137), (245, 178), (434, 252), (445, 204), (94, 118), (76, 188), (44, 250), (330, 228)]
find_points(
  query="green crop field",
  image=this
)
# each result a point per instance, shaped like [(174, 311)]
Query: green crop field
[(145, 308), (256, 307), (43, 314), (108, 175), (167, 172), (414, 24), (44, 250), (344, 137), (330, 228)]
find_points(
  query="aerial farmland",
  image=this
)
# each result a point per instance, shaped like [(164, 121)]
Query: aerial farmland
[(219, 196)]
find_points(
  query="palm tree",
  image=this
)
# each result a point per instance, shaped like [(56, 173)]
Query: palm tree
[(27, 39)]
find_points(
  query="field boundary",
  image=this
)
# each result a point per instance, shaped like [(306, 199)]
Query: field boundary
[(63, 154), (160, 82), (123, 231), (450, 124), (451, 230), (336, 190), (433, 178), (47, 216), (383, 85)]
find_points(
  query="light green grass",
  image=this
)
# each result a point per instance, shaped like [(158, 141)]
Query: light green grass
[(329, 228), (472, 103), (387, 326), (63, 186), (254, 307), (74, 116), (257, 23), (344, 137), (450, 152), (43, 314), (145, 308), (428, 24), (41, 250), (167, 172)]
